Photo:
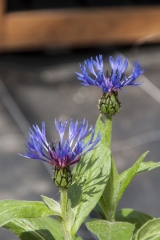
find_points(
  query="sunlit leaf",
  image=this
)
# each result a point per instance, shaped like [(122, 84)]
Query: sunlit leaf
[(149, 231), (109, 197), (127, 176), (111, 230), (53, 205), (29, 229), (10, 209), (148, 166), (92, 173), (132, 216)]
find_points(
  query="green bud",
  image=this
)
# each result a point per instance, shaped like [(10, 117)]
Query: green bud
[(62, 177), (109, 104)]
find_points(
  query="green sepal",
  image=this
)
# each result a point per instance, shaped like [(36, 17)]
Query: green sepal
[(109, 104), (62, 177)]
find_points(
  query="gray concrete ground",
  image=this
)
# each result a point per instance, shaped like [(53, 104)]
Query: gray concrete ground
[(45, 87)]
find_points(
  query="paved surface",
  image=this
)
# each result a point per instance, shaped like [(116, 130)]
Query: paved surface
[(45, 87)]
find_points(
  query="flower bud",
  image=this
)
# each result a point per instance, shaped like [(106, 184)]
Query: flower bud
[(62, 177), (109, 103)]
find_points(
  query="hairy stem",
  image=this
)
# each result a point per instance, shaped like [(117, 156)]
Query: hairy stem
[(108, 131), (64, 200)]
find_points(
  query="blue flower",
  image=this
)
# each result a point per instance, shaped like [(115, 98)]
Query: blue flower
[(109, 83), (62, 153)]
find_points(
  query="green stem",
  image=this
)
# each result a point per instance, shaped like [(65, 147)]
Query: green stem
[(108, 131), (109, 137), (64, 200), (105, 201)]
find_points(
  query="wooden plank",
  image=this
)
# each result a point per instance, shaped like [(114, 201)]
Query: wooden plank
[(83, 27), (2, 12), (2, 7)]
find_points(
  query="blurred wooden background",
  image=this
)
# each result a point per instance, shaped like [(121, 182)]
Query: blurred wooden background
[(77, 27)]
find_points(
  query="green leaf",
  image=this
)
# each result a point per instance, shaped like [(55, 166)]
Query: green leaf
[(132, 216), (101, 128), (149, 231), (78, 238), (29, 229), (111, 230), (10, 209), (148, 166), (127, 176), (85, 192), (98, 208), (54, 227), (53, 205), (110, 194)]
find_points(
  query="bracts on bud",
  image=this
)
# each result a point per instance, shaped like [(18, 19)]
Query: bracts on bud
[(109, 103), (62, 177)]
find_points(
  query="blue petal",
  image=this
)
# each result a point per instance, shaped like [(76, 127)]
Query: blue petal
[(62, 153), (61, 127)]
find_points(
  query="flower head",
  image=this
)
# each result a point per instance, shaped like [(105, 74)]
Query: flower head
[(64, 152), (109, 83)]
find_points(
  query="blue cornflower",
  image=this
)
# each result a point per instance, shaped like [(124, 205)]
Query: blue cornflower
[(62, 153), (109, 83), (92, 73)]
